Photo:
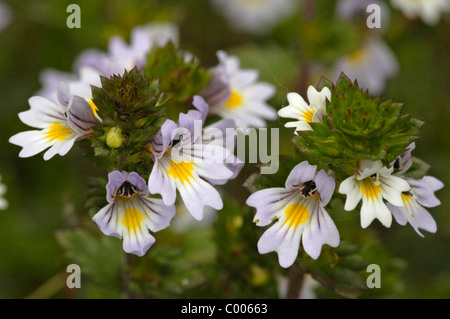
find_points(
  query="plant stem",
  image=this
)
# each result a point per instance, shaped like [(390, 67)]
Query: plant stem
[(296, 278)]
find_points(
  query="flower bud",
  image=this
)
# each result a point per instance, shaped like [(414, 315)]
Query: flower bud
[(114, 137)]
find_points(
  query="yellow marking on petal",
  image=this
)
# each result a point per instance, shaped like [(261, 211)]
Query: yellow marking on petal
[(370, 190), (296, 215), (308, 115), (132, 219), (93, 107), (235, 100), (58, 132), (406, 198), (181, 170)]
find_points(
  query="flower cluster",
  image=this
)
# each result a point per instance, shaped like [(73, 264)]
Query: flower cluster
[(298, 209), (147, 111), (115, 103)]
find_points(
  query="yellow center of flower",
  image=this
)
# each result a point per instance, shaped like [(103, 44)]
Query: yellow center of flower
[(308, 115), (296, 214), (58, 132), (234, 101), (181, 171), (357, 56), (132, 219), (370, 190)]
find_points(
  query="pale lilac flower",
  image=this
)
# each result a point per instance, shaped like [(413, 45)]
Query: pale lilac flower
[(122, 56), (59, 124), (371, 65), (298, 209), (421, 195), (255, 16), (50, 79), (93, 63), (373, 183), (131, 213), (235, 93), (221, 133), (3, 201), (5, 15), (182, 162), (428, 10), (303, 113)]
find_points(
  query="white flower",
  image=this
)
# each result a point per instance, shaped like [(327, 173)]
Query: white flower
[(299, 110), (371, 65), (59, 124), (421, 195), (298, 209), (3, 202), (255, 16), (373, 183), (428, 10), (235, 93), (186, 164), (131, 213)]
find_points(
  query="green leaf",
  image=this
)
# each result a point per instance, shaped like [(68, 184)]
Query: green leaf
[(101, 261)]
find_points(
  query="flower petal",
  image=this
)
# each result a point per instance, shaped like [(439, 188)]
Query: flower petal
[(424, 190), (159, 183), (321, 231), (269, 203), (300, 174), (197, 194), (325, 186)]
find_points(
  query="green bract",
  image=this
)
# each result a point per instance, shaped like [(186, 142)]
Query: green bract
[(357, 127), (133, 105)]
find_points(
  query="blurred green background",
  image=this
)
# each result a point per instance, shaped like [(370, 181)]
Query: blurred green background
[(45, 197)]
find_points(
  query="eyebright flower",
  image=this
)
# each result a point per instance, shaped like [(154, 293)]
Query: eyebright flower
[(183, 162), (255, 16), (373, 183), (421, 195), (93, 63), (131, 213), (221, 133), (298, 209), (234, 93), (122, 56), (371, 65), (59, 124), (304, 114), (428, 10), (3, 202)]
